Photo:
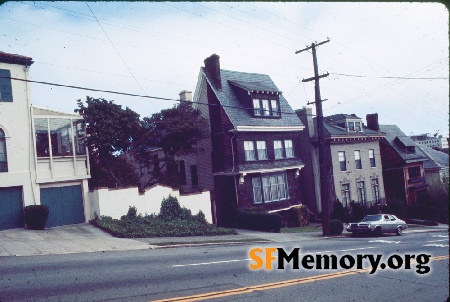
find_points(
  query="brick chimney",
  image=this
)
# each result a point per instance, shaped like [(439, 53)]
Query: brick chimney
[(305, 116), (372, 122), (185, 95), (212, 68)]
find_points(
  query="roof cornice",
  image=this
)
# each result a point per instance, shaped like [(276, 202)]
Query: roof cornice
[(268, 129)]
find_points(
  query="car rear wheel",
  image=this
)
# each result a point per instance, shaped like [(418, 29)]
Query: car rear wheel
[(377, 231), (399, 231)]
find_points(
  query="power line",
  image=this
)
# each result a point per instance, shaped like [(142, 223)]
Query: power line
[(132, 94), (114, 46), (401, 78)]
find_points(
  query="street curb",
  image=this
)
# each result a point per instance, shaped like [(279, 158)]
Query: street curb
[(205, 244), (155, 246)]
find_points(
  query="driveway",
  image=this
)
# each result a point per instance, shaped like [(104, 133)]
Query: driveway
[(77, 238)]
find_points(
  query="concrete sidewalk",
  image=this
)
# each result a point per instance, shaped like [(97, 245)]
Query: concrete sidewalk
[(83, 238)]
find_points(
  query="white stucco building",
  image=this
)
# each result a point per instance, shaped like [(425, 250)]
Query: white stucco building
[(427, 140), (43, 159)]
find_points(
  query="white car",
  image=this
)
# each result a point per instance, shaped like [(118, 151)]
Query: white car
[(378, 224)]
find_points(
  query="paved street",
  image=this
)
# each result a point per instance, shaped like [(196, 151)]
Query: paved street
[(222, 271), (83, 238)]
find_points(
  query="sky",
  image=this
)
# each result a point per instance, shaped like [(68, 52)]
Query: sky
[(385, 58)]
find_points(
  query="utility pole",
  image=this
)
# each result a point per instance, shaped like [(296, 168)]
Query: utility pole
[(321, 132)]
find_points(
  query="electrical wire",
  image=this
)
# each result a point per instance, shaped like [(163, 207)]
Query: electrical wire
[(131, 94)]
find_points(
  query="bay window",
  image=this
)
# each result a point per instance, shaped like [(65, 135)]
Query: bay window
[(268, 188)]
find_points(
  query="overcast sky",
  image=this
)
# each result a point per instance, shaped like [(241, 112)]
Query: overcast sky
[(385, 58)]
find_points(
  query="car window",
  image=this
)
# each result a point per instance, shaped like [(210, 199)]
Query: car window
[(386, 217), (392, 218), (372, 218)]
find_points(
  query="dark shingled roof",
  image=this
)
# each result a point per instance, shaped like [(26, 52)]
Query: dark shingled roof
[(250, 81), (393, 133), (436, 159), (332, 129), (15, 59), (253, 86)]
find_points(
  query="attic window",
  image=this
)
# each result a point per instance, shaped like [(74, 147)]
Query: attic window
[(410, 149), (354, 126), (266, 107)]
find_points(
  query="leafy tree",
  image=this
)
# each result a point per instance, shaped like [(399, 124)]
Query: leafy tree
[(176, 131), (111, 131)]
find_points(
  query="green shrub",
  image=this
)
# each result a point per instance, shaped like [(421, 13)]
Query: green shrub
[(132, 213), (153, 226), (170, 209), (358, 211), (200, 218), (300, 215), (339, 211), (36, 216), (256, 220), (336, 227)]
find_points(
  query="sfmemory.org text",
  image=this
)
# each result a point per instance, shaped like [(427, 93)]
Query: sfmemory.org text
[(263, 258)]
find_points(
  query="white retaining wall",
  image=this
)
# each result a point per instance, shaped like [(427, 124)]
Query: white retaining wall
[(115, 202)]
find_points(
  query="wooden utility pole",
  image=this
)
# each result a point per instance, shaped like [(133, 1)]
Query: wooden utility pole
[(321, 137)]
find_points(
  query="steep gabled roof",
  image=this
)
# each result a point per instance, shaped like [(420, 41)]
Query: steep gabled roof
[(235, 109), (396, 138), (15, 59)]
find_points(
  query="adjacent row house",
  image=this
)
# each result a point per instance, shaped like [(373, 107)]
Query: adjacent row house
[(353, 158), (43, 158)]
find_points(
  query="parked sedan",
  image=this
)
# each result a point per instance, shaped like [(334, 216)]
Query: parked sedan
[(378, 224)]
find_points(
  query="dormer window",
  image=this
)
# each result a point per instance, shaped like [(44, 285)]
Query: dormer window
[(354, 126), (351, 126), (266, 107)]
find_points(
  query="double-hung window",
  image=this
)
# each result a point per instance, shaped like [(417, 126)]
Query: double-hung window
[(5, 86), (372, 158), (283, 149), (256, 107), (361, 192), (262, 150), (358, 126), (278, 149), (266, 107), (351, 126), (358, 164), (414, 172), (342, 163), (345, 190), (289, 148), (274, 108), (376, 190), (252, 153), (268, 188), (249, 148), (3, 159)]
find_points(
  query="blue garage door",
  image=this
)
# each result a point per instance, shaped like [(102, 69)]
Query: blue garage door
[(11, 208), (65, 205)]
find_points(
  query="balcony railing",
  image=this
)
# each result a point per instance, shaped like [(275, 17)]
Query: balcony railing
[(416, 180)]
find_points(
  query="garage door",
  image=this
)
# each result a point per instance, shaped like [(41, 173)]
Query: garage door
[(11, 208), (65, 205)]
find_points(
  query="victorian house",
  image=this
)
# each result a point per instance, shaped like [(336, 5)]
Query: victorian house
[(352, 156), (251, 157)]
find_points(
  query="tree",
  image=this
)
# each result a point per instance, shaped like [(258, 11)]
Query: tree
[(111, 131), (176, 131)]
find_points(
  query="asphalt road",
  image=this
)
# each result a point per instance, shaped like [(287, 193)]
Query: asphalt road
[(222, 273)]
